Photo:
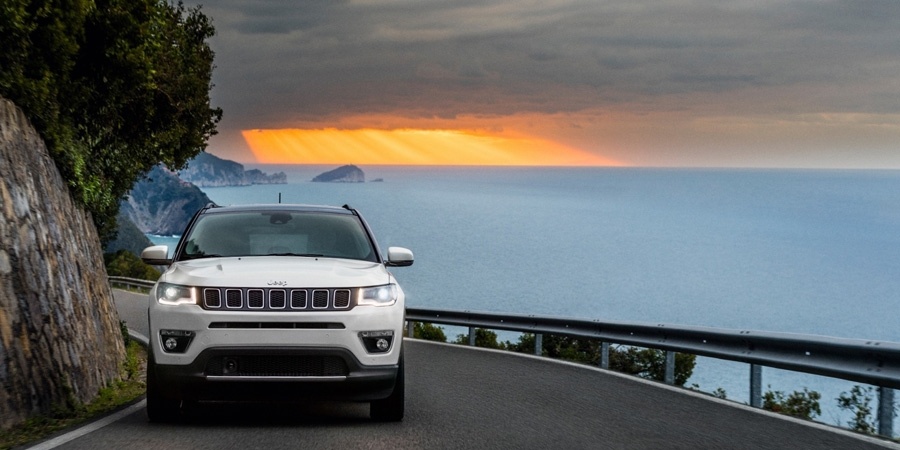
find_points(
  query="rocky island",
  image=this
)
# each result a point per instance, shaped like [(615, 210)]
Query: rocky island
[(343, 174)]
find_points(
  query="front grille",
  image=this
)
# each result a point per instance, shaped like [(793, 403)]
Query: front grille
[(320, 299), (298, 299), (276, 299), (281, 299), (255, 298), (276, 366), (234, 298), (212, 298), (341, 299)]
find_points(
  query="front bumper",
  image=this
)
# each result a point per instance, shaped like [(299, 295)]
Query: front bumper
[(275, 373), (268, 355)]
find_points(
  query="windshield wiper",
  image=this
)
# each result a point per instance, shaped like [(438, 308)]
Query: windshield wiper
[(308, 255), (201, 255)]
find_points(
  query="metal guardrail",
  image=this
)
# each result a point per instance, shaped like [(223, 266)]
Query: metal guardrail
[(866, 361), (131, 283)]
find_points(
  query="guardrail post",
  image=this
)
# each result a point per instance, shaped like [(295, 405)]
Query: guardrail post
[(472, 336), (756, 385), (886, 412), (670, 367), (410, 328), (604, 355), (538, 344)]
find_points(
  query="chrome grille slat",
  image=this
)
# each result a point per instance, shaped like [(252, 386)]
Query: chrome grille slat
[(320, 299), (298, 299), (342, 298), (212, 298), (256, 299), (277, 299), (234, 298)]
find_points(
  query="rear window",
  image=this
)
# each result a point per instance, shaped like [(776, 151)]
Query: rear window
[(278, 233)]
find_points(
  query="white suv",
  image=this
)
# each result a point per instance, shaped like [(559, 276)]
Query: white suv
[(276, 302)]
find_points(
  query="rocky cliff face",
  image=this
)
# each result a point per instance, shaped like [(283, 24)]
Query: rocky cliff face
[(162, 203), (128, 236), (207, 170), (59, 331)]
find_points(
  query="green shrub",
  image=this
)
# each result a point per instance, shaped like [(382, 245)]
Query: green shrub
[(126, 264), (429, 332), (804, 405), (859, 402)]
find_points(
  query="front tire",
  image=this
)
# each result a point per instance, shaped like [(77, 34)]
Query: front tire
[(391, 409), (159, 408)]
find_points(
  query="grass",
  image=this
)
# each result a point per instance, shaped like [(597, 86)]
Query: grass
[(123, 392)]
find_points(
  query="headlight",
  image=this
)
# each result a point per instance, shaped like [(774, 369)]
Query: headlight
[(379, 295), (173, 294)]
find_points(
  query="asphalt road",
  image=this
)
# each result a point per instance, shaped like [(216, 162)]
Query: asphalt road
[(459, 397)]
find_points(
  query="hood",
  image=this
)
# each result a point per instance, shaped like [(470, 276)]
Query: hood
[(277, 271)]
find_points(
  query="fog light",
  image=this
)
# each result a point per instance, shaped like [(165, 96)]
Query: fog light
[(377, 341), (176, 341)]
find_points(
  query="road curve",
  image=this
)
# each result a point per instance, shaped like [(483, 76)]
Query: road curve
[(459, 397)]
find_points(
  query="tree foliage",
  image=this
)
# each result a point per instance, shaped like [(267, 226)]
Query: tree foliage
[(804, 405), (123, 263), (645, 363), (651, 363), (859, 402), (113, 86), (483, 338), (429, 332)]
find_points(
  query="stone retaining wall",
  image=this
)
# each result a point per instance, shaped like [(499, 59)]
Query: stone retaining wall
[(60, 340)]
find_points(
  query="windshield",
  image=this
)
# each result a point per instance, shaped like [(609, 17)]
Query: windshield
[(282, 233)]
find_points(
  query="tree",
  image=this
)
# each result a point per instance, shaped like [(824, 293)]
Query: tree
[(125, 264), (645, 363), (804, 405), (858, 401), (483, 338), (429, 332), (651, 363), (114, 87)]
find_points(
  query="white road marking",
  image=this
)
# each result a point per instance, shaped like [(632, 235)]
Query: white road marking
[(89, 428)]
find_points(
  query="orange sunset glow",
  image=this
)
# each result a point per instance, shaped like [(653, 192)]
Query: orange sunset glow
[(412, 147)]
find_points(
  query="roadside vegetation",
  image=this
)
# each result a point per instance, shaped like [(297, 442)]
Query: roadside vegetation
[(126, 264), (642, 362)]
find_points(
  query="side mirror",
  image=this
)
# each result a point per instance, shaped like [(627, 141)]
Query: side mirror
[(399, 257), (157, 255)]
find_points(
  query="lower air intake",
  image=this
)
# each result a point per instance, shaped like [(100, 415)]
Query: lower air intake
[(277, 366)]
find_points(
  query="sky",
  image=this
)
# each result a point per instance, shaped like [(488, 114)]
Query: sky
[(687, 83)]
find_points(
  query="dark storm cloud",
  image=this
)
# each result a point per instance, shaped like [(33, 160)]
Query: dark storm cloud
[(284, 61)]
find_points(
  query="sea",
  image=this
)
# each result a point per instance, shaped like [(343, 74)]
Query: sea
[(801, 251)]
